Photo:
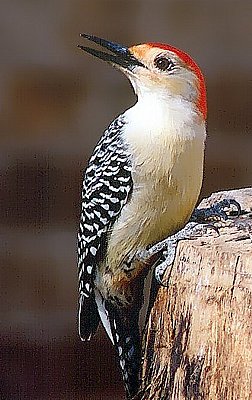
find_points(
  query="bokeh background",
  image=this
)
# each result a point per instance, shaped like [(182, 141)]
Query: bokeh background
[(55, 101)]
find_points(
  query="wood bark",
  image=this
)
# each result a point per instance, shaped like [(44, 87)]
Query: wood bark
[(198, 340)]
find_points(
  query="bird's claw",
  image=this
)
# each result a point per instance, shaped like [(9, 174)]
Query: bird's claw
[(202, 220), (216, 212), (191, 231), (160, 270), (227, 203)]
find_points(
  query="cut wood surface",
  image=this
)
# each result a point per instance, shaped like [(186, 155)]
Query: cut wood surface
[(199, 334)]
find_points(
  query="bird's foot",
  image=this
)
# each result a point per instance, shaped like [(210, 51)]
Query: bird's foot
[(201, 221), (220, 211), (192, 230), (162, 254)]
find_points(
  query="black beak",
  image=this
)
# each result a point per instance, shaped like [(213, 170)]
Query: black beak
[(121, 56)]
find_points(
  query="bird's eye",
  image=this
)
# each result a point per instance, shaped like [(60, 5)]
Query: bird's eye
[(164, 63)]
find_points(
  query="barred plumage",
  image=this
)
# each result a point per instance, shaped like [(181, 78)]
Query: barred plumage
[(106, 188)]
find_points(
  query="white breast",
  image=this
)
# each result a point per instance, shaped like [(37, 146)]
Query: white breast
[(167, 147)]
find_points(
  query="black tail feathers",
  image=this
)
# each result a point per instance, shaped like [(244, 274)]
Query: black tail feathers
[(125, 332), (88, 317)]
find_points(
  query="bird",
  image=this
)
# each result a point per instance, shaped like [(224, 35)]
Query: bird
[(141, 185)]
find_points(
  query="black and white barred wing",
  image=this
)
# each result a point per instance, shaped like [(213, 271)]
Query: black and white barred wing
[(106, 189)]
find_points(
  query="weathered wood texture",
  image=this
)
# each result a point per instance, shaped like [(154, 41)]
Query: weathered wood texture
[(199, 334)]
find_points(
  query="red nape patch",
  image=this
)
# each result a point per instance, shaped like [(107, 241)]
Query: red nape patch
[(202, 104)]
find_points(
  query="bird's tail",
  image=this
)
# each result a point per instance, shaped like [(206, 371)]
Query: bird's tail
[(88, 316), (125, 332)]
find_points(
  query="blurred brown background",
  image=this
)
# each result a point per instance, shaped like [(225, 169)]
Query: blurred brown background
[(55, 101)]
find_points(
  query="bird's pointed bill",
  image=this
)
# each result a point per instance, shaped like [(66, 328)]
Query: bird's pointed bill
[(119, 55)]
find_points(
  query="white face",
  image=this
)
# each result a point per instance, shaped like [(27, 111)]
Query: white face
[(164, 73)]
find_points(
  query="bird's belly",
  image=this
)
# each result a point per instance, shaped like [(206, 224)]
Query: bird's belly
[(166, 189), (166, 184), (157, 209)]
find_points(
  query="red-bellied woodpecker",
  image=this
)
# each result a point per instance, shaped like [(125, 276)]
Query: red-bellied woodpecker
[(141, 185)]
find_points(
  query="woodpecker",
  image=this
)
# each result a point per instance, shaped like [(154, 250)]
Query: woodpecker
[(141, 185)]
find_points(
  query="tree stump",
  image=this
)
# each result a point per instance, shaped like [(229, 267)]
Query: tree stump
[(198, 340)]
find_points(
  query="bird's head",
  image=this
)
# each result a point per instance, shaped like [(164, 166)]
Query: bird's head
[(156, 68)]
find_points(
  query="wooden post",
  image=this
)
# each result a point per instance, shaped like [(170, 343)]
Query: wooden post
[(199, 335)]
